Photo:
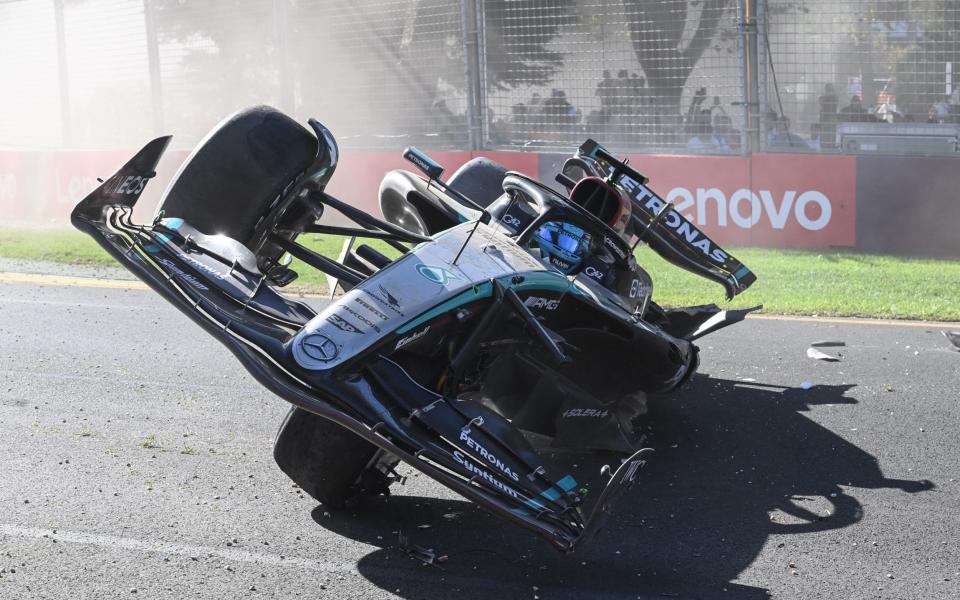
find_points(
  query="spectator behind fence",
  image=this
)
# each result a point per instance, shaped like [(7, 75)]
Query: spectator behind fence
[(953, 106), (699, 126), (856, 113), (638, 90), (606, 91), (782, 139), (939, 111), (818, 135), (622, 87), (694, 110), (724, 138), (829, 102), (887, 111), (520, 121), (559, 114)]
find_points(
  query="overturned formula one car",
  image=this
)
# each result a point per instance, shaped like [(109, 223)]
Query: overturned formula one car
[(515, 321)]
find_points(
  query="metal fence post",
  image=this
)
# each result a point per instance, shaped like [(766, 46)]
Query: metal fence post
[(471, 19), (153, 64), (747, 25), (763, 69), (63, 78), (484, 113)]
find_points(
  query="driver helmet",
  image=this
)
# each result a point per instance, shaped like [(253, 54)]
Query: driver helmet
[(604, 201), (564, 245)]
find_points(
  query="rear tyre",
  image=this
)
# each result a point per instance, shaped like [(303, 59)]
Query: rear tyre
[(237, 174), (395, 190), (479, 179), (326, 460)]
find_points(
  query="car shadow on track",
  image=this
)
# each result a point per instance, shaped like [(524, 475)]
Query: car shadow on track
[(736, 462)]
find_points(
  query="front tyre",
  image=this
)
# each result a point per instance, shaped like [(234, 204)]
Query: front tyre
[(329, 462)]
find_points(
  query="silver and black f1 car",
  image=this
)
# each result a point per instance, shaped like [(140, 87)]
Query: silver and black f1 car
[(519, 326)]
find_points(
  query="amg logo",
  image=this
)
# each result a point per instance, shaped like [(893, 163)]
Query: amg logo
[(585, 412), (546, 303)]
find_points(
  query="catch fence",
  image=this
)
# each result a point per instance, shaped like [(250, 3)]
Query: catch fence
[(673, 76)]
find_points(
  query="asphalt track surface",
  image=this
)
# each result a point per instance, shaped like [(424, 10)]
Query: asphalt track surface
[(136, 462)]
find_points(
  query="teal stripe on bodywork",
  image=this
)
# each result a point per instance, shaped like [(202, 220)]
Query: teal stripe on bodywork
[(539, 280), (741, 272), (534, 504), (544, 280), (483, 290), (566, 484)]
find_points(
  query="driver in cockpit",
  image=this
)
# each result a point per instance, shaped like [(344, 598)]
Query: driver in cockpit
[(571, 249)]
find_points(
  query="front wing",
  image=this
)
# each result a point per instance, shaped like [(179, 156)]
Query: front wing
[(464, 446)]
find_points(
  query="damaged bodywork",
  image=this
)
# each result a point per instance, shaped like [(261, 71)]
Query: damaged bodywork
[(522, 326)]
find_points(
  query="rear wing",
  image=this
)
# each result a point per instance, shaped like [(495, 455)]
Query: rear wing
[(664, 229)]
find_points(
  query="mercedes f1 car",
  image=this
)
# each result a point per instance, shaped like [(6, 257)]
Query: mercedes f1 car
[(514, 326)]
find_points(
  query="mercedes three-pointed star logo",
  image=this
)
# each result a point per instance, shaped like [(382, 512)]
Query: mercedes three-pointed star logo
[(319, 347)]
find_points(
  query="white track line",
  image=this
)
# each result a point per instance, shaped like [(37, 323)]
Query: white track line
[(132, 544)]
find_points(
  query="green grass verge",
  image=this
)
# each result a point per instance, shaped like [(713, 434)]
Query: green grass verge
[(789, 281)]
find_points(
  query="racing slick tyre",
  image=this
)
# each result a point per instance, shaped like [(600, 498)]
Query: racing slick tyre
[(236, 175), (403, 201), (326, 460), (479, 179)]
